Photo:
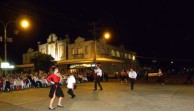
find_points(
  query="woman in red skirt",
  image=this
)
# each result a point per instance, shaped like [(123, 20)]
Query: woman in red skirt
[(55, 90)]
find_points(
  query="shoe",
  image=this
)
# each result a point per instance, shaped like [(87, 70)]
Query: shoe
[(51, 108), (60, 106), (94, 89), (73, 96), (101, 89)]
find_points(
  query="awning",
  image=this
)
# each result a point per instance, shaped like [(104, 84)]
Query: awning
[(24, 65), (77, 61)]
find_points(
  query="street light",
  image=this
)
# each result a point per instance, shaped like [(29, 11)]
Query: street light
[(24, 23), (5, 37), (106, 36)]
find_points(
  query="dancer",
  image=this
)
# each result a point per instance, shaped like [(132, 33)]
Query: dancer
[(98, 72), (71, 82), (55, 90), (132, 75)]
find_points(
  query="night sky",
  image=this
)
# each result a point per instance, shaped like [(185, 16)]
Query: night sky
[(156, 29)]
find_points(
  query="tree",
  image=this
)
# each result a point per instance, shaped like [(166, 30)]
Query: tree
[(42, 62)]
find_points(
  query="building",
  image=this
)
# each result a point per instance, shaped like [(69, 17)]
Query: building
[(54, 47), (81, 55)]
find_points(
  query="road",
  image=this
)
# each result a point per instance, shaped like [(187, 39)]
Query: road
[(114, 97)]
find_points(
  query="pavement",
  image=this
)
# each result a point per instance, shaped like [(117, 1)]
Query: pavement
[(114, 97)]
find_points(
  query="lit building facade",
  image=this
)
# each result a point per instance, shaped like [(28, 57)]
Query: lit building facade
[(111, 59), (80, 55), (54, 47)]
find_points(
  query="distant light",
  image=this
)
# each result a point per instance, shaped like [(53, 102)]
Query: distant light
[(154, 61), (133, 57), (6, 65), (107, 35), (82, 65), (24, 23), (171, 62)]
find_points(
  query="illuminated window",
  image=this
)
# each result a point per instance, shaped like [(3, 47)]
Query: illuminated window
[(73, 51), (112, 53), (43, 50), (86, 50), (129, 56), (126, 55), (61, 51), (52, 50), (80, 51), (133, 58), (118, 54)]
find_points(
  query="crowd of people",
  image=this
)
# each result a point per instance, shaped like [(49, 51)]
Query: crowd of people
[(19, 81)]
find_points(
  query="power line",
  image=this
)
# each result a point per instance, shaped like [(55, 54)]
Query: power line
[(46, 15)]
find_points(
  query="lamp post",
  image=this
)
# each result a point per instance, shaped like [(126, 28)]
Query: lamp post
[(94, 32), (24, 24), (106, 36), (5, 38)]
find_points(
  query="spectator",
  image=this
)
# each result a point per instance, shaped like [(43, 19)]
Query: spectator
[(160, 78), (106, 76), (1, 82), (124, 76), (189, 77)]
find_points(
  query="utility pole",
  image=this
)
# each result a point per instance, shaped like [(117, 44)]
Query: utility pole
[(94, 32)]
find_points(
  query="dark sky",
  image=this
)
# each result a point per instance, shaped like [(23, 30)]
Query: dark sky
[(160, 29)]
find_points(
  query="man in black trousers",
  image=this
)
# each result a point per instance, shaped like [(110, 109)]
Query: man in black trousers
[(132, 75), (98, 72)]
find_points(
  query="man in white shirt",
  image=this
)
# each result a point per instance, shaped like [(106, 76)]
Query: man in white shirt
[(98, 72), (71, 82), (132, 75)]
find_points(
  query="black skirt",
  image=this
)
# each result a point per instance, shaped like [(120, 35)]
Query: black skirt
[(57, 90)]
